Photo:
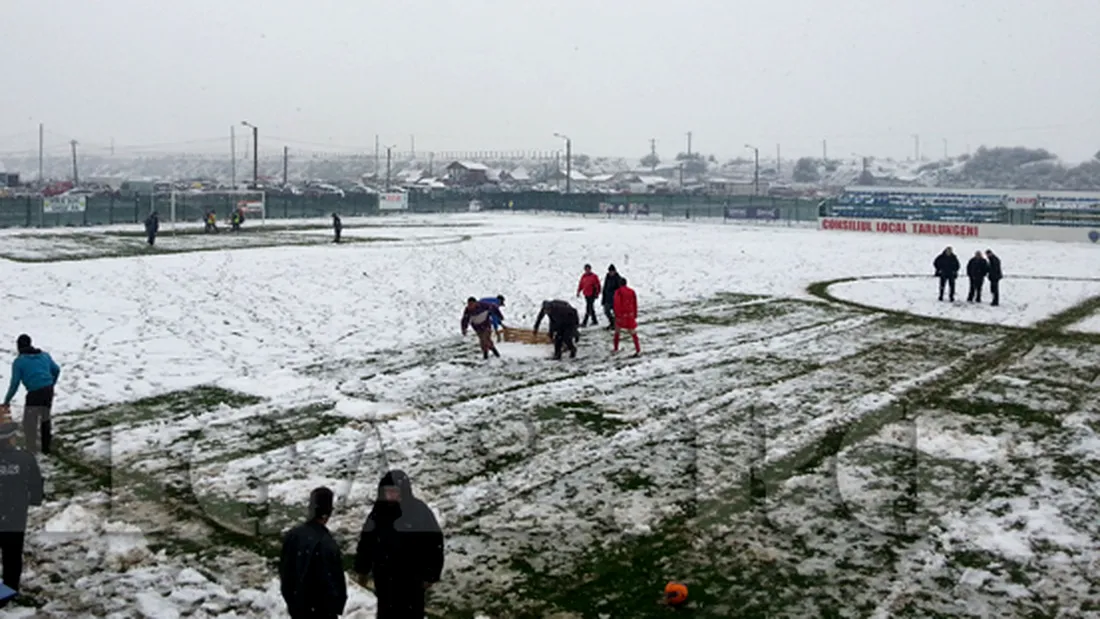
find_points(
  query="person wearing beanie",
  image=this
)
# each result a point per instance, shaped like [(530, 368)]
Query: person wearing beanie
[(626, 315), (401, 547), (20, 487), (311, 568), (38, 372), (611, 283)]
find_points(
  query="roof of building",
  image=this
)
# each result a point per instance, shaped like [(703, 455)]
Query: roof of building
[(470, 166)]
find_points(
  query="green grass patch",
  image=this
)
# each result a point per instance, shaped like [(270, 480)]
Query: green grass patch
[(584, 413), (201, 399)]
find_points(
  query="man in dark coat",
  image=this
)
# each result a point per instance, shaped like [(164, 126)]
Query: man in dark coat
[(995, 276), (20, 487), (976, 270), (611, 283), (947, 270), (311, 569), (564, 323), (337, 227), (152, 225), (401, 547)]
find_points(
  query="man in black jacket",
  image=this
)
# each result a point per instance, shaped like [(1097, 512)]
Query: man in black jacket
[(611, 283), (976, 270), (337, 227), (152, 226), (564, 326), (20, 487), (401, 546), (947, 269), (995, 276), (311, 569)]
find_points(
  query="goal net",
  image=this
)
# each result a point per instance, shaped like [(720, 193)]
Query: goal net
[(193, 206)]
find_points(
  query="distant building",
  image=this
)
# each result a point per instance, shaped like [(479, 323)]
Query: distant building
[(729, 187), (468, 173), (519, 176)]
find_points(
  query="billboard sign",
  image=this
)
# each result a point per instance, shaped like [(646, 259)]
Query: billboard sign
[(64, 204), (752, 212), (393, 201)]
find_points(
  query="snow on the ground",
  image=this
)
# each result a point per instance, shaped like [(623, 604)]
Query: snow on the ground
[(1087, 325), (1023, 302), (135, 327), (359, 344)]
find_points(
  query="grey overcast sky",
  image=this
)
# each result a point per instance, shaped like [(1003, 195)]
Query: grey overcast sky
[(489, 74)]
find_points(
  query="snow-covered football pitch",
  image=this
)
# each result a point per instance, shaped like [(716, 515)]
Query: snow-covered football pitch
[(808, 432)]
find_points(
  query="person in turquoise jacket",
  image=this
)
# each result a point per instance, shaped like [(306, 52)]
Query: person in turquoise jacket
[(38, 372)]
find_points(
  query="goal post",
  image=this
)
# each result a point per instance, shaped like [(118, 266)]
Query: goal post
[(192, 206)]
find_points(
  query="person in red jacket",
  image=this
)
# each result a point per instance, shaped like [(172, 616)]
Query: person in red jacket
[(590, 288), (626, 315)]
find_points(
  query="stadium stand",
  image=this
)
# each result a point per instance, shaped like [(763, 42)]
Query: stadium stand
[(1067, 209), (950, 205)]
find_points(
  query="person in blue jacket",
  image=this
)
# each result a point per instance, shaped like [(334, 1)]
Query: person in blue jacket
[(495, 318), (38, 372)]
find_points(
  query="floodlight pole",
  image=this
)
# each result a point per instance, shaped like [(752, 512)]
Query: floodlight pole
[(255, 153), (756, 169)]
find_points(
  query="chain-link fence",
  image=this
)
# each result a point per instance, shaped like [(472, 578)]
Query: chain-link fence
[(28, 212)]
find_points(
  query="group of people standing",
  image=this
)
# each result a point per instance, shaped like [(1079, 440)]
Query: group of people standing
[(21, 484), (400, 548), (979, 268), (619, 301)]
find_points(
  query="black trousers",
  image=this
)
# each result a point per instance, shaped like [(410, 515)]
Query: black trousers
[(152, 239), (995, 291), (589, 311), (11, 547), (565, 337), (975, 293), (609, 311), (950, 283), (37, 426), (337, 231), (407, 603)]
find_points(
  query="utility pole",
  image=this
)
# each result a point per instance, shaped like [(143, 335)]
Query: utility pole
[(431, 163), (689, 144), (389, 154), (824, 151), (255, 153), (376, 156), (76, 176), (755, 169), (286, 156), (255, 157), (568, 165), (568, 161), (653, 153), (233, 155), (412, 145), (41, 145), (778, 161), (916, 146)]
